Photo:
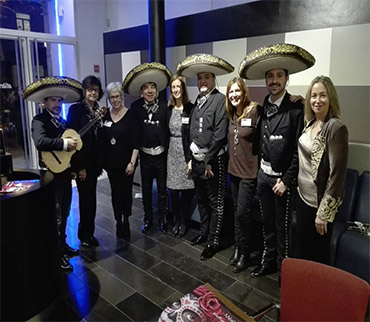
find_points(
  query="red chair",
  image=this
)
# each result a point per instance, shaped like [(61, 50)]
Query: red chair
[(312, 291)]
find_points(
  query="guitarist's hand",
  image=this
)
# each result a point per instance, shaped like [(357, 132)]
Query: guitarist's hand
[(82, 174), (72, 144)]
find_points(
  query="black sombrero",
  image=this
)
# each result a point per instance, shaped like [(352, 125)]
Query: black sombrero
[(285, 56), (145, 73), (66, 87), (203, 63)]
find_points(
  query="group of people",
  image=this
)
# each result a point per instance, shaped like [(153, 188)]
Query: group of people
[(270, 152)]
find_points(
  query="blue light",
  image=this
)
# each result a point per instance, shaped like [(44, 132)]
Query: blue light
[(60, 53)]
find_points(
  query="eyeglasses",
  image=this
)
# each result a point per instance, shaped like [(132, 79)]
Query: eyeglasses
[(115, 97), (93, 89)]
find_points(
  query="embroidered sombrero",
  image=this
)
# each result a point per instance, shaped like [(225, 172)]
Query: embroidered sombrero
[(203, 63), (285, 56), (66, 87), (144, 73)]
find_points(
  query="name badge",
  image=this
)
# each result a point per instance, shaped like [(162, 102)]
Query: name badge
[(246, 122), (108, 123), (185, 120)]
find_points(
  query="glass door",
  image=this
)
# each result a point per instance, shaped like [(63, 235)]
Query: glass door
[(25, 58)]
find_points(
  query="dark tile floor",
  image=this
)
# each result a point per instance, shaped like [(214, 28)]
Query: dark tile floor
[(121, 281)]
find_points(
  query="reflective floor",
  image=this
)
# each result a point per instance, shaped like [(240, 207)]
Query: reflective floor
[(121, 281)]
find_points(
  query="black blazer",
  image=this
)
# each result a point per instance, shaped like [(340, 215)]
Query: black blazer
[(188, 108), (45, 134), (288, 125), (161, 116), (91, 154)]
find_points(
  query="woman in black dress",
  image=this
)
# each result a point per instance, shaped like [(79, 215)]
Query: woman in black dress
[(88, 161), (121, 147)]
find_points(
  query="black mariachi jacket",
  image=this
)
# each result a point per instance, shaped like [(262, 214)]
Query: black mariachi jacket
[(188, 108), (161, 131), (288, 128), (214, 126), (45, 134)]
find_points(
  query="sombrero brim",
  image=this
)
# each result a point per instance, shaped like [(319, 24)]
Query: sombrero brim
[(144, 73), (285, 56), (66, 87), (203, 63)]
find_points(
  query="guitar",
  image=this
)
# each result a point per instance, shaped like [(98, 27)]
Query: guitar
[(58, 161)]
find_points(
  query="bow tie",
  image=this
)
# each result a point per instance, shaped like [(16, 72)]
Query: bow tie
[(58, 122), (271, 109), (201, 100)]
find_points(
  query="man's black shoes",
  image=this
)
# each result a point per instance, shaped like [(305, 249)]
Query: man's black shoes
[(242, 264), (198, 240), (69, 252), (209, 251), (263, 270), (90, 242)]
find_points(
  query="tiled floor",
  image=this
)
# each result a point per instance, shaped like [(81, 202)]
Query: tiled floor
[(121, 281)]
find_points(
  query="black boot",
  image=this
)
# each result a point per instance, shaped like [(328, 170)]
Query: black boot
[(126, 229), (236, 256), (242, 264), (119, 229)]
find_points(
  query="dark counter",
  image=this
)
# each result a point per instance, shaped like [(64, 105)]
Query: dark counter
[(29, 249)]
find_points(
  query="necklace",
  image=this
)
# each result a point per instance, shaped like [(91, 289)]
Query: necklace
[(236, 131)]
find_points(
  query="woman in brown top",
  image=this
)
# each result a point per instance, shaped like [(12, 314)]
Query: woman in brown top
[(243, 166), (323, 154)]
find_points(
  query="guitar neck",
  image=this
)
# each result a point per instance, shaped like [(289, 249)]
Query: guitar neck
[(87, 127)]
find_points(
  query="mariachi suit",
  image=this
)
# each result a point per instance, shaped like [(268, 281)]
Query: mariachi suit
[(153, 166), (276, 142), (46, 132), (208, 129)]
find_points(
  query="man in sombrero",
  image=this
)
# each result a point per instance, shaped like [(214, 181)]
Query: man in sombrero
[(47, 128), (147, 80), (277, 133), (208, 137)]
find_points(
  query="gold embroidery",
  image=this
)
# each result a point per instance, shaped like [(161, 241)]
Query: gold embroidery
[(142, 68), (318, 148), (328, 208), (201, 59), (52, 81)]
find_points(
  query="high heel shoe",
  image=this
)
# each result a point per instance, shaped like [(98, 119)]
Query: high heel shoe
[(234, 259)]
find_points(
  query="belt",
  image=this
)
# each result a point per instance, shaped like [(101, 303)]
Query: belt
[(153, 151), (201, 156), (267, 169)]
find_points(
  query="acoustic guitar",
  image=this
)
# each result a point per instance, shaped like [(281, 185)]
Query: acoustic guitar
[(58, 161)]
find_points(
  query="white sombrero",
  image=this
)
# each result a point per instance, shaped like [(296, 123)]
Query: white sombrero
[(145, 73), (285, 56), (203, 63), (66, 87)]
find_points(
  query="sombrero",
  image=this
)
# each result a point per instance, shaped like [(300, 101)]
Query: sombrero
[(66, 87), (144, 73), (203, 63), (285, 56)]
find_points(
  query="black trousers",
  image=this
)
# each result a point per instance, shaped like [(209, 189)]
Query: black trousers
[(276, 216), (63, 195), (181, 203), (121, 192), (211, 197), (311, 245), (243, 192), (154, 167), (87, 204)]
